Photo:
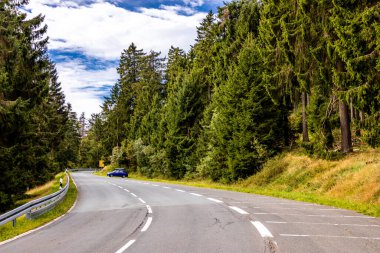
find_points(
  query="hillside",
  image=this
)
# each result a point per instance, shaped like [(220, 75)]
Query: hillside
[(352, 182)]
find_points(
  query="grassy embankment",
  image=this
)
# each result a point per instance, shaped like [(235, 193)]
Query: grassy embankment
[(23, 225), (352, 182)]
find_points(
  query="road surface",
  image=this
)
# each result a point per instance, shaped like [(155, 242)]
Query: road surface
[(121, 215)]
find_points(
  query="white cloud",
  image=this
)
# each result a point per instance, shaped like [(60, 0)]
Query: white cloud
[(76, 79), (102, 30)]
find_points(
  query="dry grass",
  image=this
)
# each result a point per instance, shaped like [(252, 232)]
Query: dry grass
[(354, 178)]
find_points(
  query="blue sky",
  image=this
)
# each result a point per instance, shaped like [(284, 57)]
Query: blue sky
[(88, 36)]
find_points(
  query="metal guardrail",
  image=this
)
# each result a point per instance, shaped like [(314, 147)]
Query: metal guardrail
[(36, 207), (84, 169)]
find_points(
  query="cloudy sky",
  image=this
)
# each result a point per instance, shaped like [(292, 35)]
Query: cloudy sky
[(87, 37)]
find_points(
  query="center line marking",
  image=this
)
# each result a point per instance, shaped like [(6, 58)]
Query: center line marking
[(196, 194), (126, 246), (149, 209), (215, 200), (142, 201), (120, 187), (179, 190), (264, 232), (126, 190), (167, 187), (237, 209), (155, 185), (134, 195), (147, 224)]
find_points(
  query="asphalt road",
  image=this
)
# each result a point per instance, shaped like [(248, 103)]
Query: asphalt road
[(121, 215)]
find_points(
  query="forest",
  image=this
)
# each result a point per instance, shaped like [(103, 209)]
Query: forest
[(262, 77), (39, 132)]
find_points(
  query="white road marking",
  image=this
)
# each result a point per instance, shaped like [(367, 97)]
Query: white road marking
[(134, 195), (331, 236), (146, 183), (147, 224), (322, 223), (178, 190), (126, 190), (167, 187), (149, 209), (237, 209), (215, 200), (155, 185), (319, 215), (120, 187), (196, 194), (142, 201), (126, 246), (264, 232)]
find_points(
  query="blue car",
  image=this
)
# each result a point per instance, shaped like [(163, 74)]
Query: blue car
[(119, 172)]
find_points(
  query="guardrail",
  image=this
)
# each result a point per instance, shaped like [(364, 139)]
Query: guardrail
[(36, 207), (84, 169)]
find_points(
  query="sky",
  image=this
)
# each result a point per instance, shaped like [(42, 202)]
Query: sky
[(86, 38)]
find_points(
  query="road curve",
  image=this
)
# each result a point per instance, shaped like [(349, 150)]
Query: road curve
[(117, 215)]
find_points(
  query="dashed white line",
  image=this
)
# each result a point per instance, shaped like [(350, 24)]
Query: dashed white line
[(178, 190), (142, 201), (146, 183), (126, 246), (237, 209), (155, 185), (147, 224), (264, 232), (166, 187), (149, 209), (126, 190), (134, 195), (120, 187), (215, 200), (196, 194), (331, 236)]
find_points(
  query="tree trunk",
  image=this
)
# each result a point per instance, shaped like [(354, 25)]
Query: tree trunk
[(345, 127), (305, 133)]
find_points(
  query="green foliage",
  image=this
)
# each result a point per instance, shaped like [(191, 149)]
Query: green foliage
[(38, 135), (259, 75)]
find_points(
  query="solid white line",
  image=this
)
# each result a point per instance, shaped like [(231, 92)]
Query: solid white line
[(147, 224), (196, 194), (319, 215), (142, 201), (179, 190), (126, 190), (331, 236), (264, 232), (322, 223), (215, 200), (45, 225), (149, 209), (237, 209), (126, 246), (134, 195)]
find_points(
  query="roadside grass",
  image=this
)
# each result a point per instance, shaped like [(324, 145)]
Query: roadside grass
[(23, 225), (352, 182), (104, 171)]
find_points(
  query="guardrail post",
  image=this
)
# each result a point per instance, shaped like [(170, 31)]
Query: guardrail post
[(14, 223)]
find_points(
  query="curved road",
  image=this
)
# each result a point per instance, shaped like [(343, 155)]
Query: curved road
[(117, 215)]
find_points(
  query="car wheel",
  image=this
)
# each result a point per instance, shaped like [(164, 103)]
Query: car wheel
[(123, 176)]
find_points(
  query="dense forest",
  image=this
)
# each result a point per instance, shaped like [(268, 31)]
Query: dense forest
[(262, 77), (39, 133)]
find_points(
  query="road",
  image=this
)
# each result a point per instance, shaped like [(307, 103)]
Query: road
[(121, 215)]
